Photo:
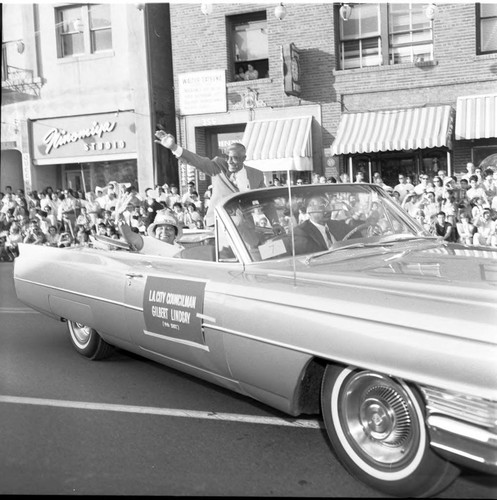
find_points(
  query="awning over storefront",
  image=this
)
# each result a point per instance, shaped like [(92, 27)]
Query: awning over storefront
[(476, 117), (282, 144), (394, 130)]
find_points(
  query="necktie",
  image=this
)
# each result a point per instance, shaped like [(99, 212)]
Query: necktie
[(329, 237), (233, 179)]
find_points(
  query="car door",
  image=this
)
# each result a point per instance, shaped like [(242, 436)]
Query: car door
[(169, 304)]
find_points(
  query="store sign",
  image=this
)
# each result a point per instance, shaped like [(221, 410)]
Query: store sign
[(291, 70), (55, 138), (202, 92), (83, 136)]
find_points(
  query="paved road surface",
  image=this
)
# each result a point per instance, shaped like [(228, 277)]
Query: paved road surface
[(130, 426)]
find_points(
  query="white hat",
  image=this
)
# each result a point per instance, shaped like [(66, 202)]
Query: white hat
[(163, 218)]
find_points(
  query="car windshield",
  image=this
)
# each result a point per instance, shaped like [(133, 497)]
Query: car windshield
[(317, 218)]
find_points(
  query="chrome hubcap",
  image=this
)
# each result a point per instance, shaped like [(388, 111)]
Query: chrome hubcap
[(81, 333), (378, 419)]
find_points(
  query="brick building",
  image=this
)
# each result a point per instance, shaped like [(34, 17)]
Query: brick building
[(391, 89)]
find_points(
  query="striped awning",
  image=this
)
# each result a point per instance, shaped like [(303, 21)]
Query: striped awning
[(394, 130), (476, 117), (281, 144)]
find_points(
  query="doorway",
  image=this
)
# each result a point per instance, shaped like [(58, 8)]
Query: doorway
[(219, 138)]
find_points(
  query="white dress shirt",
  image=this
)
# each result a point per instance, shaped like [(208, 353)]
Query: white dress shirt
[(240, 179)]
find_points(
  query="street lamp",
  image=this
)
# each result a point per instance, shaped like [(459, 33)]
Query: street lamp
[(280, 12), (206, 8), (431, 11), (345, 11)]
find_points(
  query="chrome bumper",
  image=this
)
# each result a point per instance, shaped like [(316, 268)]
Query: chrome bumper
[(463, 443), (462, 428)]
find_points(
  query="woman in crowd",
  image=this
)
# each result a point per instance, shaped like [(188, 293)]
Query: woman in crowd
[(471, 217)]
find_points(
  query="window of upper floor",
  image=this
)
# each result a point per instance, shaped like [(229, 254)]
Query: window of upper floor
[(83, 29), (384, 34), (486, 28), (248, 46)]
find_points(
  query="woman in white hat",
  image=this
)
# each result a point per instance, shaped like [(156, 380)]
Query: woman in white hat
[(166, 228), (162, 237)]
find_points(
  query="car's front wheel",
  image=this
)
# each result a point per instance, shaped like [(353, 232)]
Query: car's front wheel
[(88, 342), (376, 426)]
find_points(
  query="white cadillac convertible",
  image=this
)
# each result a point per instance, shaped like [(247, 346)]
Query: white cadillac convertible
[(322, 299)]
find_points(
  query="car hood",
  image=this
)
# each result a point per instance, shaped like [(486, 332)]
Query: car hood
[(448, 288), (428, 262)]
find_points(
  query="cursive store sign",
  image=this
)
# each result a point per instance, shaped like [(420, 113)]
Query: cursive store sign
[(59, 140), (56, 138)]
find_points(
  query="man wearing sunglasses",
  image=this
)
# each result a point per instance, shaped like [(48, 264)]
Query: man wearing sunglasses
[(228, 176), (320, 232)]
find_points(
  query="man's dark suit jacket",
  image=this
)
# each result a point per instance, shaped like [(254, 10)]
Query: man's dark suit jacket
[(308, 238)]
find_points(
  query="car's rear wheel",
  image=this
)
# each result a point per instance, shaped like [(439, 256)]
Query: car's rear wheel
[(88, 342), (376, 426)]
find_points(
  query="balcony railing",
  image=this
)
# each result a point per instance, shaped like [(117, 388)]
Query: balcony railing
[(18, 80)]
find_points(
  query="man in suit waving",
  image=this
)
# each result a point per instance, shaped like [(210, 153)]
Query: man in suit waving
[(228, 176)]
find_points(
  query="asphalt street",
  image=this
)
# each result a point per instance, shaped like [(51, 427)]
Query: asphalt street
[(130, 426)]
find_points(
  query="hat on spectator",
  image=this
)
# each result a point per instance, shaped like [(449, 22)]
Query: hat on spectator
[(165, 218)]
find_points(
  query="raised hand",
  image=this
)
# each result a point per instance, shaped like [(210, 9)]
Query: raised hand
[(165, 139), (123, 201)]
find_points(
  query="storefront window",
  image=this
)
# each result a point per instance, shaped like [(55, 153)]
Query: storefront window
[(390, 164), (100, 174)]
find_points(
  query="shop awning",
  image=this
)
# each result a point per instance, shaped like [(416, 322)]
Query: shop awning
[(282, 144), (476, 117), (394, 130)]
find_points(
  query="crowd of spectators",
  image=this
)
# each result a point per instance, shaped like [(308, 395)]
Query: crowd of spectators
[(64, 217), (458, 209), (462, 210)]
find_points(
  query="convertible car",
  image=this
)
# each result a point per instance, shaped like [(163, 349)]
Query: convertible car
[(385, 331)]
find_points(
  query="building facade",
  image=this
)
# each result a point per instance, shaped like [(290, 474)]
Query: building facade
[(310, 88), (385, 88), (81, 96)]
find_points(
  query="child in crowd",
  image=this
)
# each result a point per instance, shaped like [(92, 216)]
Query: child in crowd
[(64, 217)]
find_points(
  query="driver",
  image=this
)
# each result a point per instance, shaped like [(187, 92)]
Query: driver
[(319, 232), (314, 234)]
